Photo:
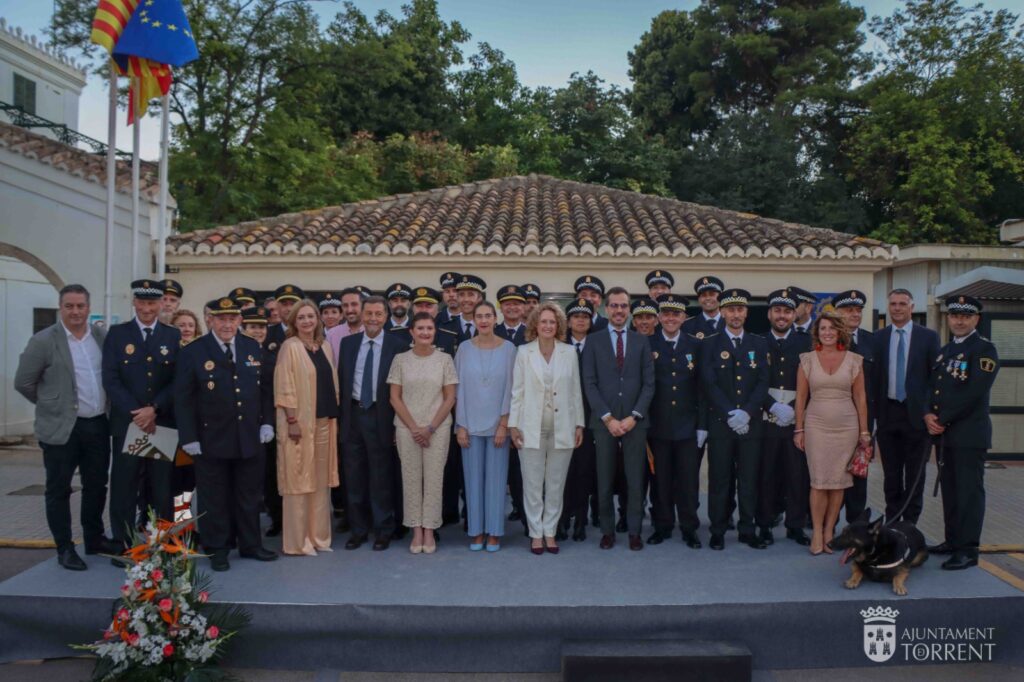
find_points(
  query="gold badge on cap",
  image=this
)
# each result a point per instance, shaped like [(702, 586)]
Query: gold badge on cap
[(210, 385), (225, 303), (421, 292), (288, 289), (208, 365), (129, 349)]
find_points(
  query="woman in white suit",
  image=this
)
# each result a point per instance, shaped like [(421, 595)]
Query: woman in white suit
[(545, 420)]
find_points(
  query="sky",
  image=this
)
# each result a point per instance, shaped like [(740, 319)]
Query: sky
[(547, 40)]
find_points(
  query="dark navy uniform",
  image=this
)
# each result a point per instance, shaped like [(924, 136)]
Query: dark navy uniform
[(581, 479), (677, 413), (783, 466), (734, 378), (516, 336), (221, 403), (276, 332), (700, 326), (139, 373), (961, 383), (598, 322), (445, 340)]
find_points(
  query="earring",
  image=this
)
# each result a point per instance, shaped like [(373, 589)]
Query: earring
[(840, 346), (818, 347)]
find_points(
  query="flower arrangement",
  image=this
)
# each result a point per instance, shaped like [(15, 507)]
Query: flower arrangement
[(163, 626)]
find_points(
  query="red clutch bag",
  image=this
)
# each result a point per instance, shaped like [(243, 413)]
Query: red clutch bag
[(858, 465)]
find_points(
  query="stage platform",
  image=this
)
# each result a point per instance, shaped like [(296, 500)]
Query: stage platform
[(511, 611)]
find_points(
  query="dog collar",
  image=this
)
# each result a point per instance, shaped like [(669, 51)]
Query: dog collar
[(896, 563)]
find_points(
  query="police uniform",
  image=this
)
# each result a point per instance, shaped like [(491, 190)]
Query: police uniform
[(276, 332), (783, 466), (961, 383), (222, 406), (445, 340), (735, 378), (517, 336), (700, 325), (138, 371), (447, 281), (531, 292), (245, 298), (465, 329), (598, 322), (855, 498), (397, 290), (803, 296), (677, 413), (172, 288), (581, 479)]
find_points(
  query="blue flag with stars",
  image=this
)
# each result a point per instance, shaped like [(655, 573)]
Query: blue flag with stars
[(158, 31)]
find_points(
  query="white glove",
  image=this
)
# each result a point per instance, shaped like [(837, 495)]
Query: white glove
[(742, 430), (192, 448), (702, 436), (738, 418), (266, 433), (784, 414)]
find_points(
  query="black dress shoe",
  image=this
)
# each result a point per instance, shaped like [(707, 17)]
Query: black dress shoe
[(717, 542), (766, 536), (607, 541), (273, 531), (579, 533), (355, 542), (752, 541), (515, 515), (798, 536), (941, 548), (635, 543), (381, 543), (219, 560), (620, 527), (259, 554), (691, 540), (69, 559), (959, 562), (104, 546), (561, 535), (656, 538)]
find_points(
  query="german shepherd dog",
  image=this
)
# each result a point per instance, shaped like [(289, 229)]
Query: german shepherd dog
[(880, 553)]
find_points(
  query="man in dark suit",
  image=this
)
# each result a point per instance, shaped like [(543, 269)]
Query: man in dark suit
[(780, 459), (618, 380), (678, 428), (581, 481), (961, 383), (286, 296), (591, 289), (224, 415), (138, 376), (708, 289), (60, 372), (906, 353), (735, 372), (367, 427), (449, 297), (512, 301), (398, 296), (850, 306)]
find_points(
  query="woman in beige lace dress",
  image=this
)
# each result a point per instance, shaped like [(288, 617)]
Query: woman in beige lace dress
[(831, 420)]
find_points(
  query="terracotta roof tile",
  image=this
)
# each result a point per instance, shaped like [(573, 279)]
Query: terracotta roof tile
[(528, 215)]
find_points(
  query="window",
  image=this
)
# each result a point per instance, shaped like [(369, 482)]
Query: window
[(25, 93), (43, 318)]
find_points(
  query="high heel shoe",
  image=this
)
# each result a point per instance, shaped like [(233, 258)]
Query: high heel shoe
[(415, 549), (537, 550), (550, 548), (494, 548), (476, 546), (429, 549)]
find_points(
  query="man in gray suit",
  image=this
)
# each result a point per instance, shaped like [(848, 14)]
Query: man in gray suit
[(60, 373), (618, 379)]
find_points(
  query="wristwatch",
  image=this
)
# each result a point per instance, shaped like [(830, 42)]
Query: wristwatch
[(430, 428)]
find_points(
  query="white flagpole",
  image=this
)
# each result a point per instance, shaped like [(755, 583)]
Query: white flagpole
[(108, 299), (161, 256), (135, 180)]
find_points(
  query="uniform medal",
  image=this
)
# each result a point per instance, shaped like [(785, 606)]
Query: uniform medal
[(689, 361), (963, 370), (753, 363), (208, 365), (129, 349)]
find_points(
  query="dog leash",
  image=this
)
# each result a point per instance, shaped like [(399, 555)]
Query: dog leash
[(917, 479)]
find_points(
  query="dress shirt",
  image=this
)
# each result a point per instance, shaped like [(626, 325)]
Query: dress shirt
[(615, 338), (961, 339), (334, 336), (400, 325), (364, 348), (803, 328), (784, 336), (893, 345), (716, 319), (462, 325), (578, 344), (88, 361), (143, 328), (674, 340), (853, 336), (732, 336), (226, 345)]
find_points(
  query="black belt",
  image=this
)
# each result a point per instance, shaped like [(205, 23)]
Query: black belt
[(359, 404), (89, 419)]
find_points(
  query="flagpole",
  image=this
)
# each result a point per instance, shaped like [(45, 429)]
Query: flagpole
[(137, 90), (161, 254), (108, 298)]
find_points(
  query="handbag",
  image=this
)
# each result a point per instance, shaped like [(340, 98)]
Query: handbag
[(858, 465)]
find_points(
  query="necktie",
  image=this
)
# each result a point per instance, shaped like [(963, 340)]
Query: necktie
[(901, 366), (227, 353), (146, 333), (712, 324), (366, 390), (579, 347), (735, 342), (673, 344), (620, 354), (469, 329)]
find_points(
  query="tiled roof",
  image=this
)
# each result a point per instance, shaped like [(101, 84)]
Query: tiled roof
[(534, 215), (79, 162)]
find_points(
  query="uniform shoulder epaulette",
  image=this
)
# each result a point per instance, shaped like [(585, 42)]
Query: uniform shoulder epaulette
[(397, 329), (696, 338), (447, 331)]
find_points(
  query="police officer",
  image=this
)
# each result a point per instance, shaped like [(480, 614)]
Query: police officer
[(581, 480), (245, 298), (224, 415), (659, 282), (398, 296), (450, 297), (470, 291), (735, 373), (645, 315), (512, 300), (961, 382), (709, 321), (254, 324), (532, 294), (286, 296), (426, 300), (138, 376), (850, 306), (171, 301), (591, 289), (330, 310), (782, 465), (678, 425), (805, 302)]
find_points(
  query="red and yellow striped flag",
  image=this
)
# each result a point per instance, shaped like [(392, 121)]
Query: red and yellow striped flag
[(109, 21)]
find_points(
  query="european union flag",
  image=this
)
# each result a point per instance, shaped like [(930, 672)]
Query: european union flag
[(158, 31)]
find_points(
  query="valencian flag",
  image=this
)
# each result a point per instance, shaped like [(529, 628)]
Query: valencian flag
[(145, 38)]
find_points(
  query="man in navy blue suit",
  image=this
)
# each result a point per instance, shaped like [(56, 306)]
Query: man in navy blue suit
[(138, 376), (367, 427), (906, 353), (224, 412)]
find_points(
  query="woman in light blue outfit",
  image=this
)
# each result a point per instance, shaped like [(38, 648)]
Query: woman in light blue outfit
[(484, 365)]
